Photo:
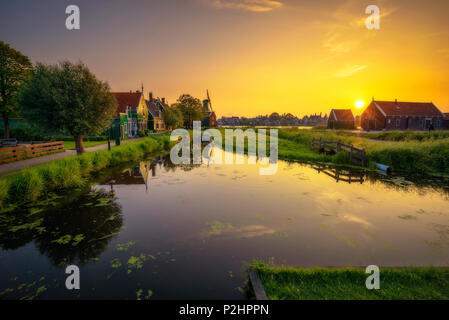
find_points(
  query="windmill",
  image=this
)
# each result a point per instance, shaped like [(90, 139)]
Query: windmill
[(207, 103)]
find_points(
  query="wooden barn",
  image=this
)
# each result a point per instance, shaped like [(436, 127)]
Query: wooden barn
[(446, 121), (341, 119), (395, 115)]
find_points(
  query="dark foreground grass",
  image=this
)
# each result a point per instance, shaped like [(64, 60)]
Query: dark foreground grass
[(70, 173), (287, 283)]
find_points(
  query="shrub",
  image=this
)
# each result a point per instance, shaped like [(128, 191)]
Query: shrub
[(141, 133), (25, 186)]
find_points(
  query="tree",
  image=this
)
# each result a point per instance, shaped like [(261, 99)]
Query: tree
[(274, 116), (172, 117), (68, 97), (14, 70), (191, 109)]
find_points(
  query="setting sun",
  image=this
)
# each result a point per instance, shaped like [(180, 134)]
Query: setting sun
[(359, 104)]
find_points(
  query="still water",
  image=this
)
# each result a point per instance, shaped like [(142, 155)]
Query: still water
[(159, 231)]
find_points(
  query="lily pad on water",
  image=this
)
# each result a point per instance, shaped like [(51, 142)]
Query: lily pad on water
[(116, 263), (124, 246), (217, 227), (147, 296), (136, 262)]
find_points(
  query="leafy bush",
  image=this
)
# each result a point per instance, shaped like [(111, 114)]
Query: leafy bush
[(141, 133)]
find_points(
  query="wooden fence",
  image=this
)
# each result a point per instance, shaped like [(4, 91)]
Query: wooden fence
[(11, 154), (357, 156)]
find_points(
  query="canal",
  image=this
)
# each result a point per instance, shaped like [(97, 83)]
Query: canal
[(160, 231)]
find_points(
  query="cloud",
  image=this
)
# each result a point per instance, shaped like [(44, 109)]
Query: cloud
[(347, 72), (335, 44), (248, 5), (445, 52)]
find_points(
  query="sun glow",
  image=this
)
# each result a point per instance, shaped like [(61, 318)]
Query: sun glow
[(359, 104)]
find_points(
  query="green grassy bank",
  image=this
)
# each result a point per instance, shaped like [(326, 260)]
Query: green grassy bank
[(287, 283), (429, 155), (417, 152), (70, 173)]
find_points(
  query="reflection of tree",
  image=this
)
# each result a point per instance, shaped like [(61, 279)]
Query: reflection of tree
[(75, 231)]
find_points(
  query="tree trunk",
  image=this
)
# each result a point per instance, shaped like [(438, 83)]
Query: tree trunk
[(6, 125), (79, 144)]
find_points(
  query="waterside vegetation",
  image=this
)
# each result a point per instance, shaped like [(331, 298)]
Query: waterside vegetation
[(70, 173)]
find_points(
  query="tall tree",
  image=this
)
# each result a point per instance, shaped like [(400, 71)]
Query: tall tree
[(172, 117), (14, 70), (191, 109), (68, 97)]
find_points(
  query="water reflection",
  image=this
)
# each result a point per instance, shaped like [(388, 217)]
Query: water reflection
[(72, 230), (341, 174)]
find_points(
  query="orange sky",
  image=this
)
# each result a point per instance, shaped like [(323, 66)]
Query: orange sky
[(254, 56)]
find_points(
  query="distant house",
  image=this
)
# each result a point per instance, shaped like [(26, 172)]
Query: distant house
[(155, 108), (341, 119), (131, 112), (394, 115), (446, 121)]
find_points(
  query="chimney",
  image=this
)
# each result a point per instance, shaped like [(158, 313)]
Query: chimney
[(163, 100), (151, 96)]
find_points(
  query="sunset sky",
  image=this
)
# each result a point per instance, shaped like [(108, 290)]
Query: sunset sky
[(254, 56)]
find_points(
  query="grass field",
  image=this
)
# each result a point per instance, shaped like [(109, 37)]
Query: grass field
[(70, 145), (288, 283)]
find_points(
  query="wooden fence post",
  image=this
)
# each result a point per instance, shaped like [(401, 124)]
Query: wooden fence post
[(350, 153)]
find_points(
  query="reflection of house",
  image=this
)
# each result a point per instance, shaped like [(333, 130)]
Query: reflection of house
[(394, 115), (155, 108), (341, 119), (132, 112), (128, 177)]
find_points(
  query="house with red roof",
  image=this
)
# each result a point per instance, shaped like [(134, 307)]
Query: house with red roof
[(131, 112), (395, 115), (155, 107), (341, 119)]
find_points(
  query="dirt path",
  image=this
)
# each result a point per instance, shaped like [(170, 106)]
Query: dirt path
[(11, 168)]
